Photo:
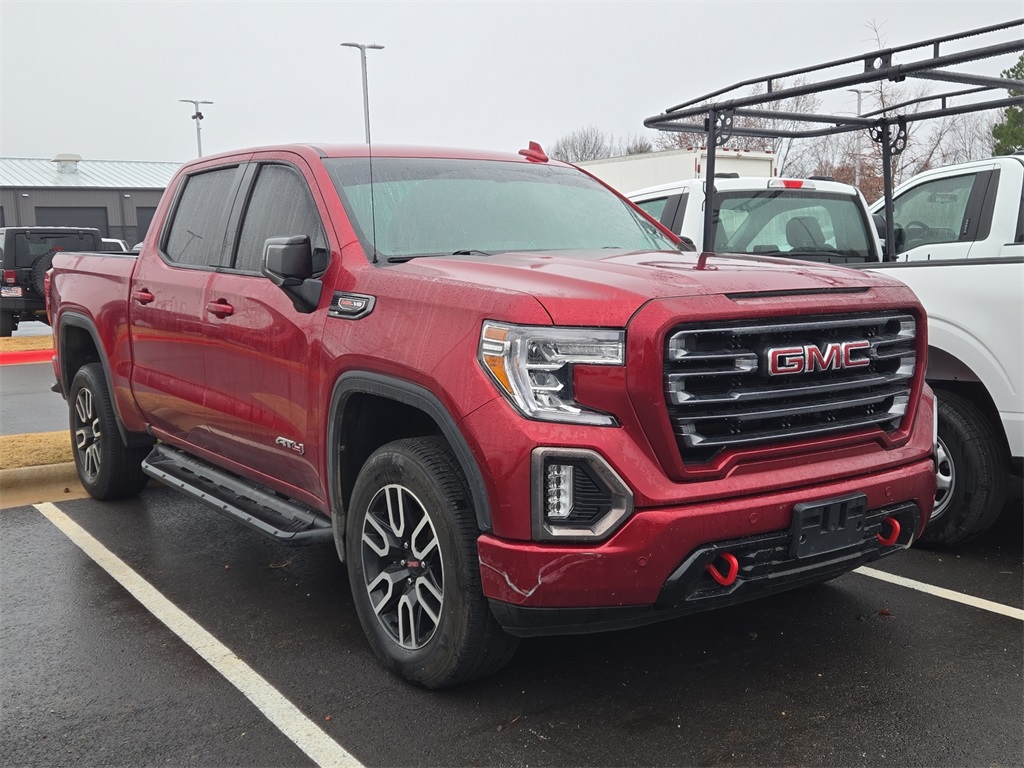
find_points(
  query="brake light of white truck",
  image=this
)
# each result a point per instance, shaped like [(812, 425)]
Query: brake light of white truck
[(790, 184)]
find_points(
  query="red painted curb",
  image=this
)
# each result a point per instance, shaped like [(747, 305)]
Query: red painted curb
[(36, 356)]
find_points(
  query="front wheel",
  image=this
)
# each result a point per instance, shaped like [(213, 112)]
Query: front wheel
[(971, 469), (106, 467), (414, 570)]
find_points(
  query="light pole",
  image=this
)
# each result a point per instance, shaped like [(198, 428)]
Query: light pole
[(366, 94), (197, 116), (856, 171)]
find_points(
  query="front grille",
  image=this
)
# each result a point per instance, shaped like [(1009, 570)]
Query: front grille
[(832, 374)]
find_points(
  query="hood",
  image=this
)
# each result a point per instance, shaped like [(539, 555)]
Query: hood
[(619, 283)]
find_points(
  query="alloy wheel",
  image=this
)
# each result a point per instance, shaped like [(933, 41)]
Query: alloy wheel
[(945, 480), (402, 569), (88, 434)]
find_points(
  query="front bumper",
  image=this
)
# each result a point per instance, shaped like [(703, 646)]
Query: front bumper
[(655, 566)]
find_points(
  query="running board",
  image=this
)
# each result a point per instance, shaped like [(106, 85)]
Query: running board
[(252, 505)]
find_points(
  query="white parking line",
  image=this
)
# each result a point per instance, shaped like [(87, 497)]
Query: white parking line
[(947, 594), (306, 734)]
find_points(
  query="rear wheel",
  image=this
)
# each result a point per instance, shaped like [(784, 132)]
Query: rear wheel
[(413, 567), (106, 467), (971, 470), (7, 324)]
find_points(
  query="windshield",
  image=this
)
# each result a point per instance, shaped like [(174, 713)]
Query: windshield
[(785, 221), (430, 207)]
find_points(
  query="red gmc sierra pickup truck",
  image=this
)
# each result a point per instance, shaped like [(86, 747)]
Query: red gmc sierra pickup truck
[(507, 396)]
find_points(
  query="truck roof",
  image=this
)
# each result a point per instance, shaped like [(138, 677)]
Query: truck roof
[(378, 150), (748, 183)]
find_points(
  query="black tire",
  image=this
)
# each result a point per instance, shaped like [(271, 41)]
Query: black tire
[(7, 324), (436, 629), (107, 468), (972, 465), (38, 274)]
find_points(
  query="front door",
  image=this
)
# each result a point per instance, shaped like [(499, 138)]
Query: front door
[(262, 382)]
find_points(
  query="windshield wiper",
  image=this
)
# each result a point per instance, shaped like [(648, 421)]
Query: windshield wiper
[(411, 256)]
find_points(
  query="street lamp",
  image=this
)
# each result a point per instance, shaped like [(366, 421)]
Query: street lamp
[(366, 97), (856, 172), (197, 116)]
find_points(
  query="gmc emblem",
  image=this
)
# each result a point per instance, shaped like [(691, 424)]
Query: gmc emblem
[(783, 361)]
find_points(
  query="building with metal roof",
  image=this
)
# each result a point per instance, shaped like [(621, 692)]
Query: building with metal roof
[(118, 197)]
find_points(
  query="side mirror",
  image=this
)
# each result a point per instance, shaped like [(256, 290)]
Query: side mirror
[(288, 260), (288, 263), (879, 221)]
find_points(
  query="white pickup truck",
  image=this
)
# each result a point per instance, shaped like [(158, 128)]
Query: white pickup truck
[(960, 247)]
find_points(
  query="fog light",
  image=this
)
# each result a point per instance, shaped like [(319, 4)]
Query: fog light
[(576, 495), (560, 479)]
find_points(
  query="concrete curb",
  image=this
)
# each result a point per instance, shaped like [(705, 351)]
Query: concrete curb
[(31, 485)]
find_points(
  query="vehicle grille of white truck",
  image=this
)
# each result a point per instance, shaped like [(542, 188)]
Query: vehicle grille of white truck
[(749, 383)]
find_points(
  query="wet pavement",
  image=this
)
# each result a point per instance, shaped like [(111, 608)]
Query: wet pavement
[(854, 672)]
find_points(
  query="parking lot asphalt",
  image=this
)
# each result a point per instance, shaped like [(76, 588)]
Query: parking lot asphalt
[(854, 672)]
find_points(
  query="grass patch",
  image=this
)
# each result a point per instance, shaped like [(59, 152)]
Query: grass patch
[(39, 449), (26, 343)]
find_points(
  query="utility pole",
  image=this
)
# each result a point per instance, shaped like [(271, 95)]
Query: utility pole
[(366, 96), (197, 116)]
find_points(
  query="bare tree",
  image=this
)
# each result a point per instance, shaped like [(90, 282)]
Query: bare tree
[(587, 143), (632, 144)]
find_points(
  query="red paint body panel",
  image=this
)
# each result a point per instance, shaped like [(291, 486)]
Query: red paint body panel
[(223, 385)]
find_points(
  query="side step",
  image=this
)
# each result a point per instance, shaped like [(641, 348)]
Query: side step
[(284, 520)]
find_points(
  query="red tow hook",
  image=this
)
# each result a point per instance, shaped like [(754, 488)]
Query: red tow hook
[(888, 541), (730, 577)]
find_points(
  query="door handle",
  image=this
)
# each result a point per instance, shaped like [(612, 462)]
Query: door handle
[(143, 296), (220, 308)]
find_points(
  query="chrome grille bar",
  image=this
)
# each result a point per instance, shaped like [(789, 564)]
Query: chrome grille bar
[(720, 392)]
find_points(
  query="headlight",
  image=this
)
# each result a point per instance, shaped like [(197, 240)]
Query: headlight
[(533, 367)]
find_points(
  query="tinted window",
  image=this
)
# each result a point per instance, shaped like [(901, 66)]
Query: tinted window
[(933, 212), (280, 206), (28, 246), (425, 206), (196, 236)]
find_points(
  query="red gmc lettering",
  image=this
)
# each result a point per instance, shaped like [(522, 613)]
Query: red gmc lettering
[(785, 360), (848, 348), (829, 360), (808, 359)]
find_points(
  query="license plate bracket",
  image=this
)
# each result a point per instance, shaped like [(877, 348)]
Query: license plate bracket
[(825, 526)]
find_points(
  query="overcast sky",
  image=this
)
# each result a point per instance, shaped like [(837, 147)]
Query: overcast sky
[(103, 79)]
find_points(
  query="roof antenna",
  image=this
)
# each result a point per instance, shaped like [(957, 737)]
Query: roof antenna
[(369, 147), (534, 154)]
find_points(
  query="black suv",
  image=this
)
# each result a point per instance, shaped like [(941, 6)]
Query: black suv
[(26, 253)]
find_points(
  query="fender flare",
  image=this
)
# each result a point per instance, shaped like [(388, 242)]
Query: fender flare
[(79, 320), (364, 382)]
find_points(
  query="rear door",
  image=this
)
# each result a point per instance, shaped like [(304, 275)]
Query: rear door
[(262, 374), (167, 311)]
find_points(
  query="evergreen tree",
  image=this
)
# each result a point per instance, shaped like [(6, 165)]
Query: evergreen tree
[(1009, 133)]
